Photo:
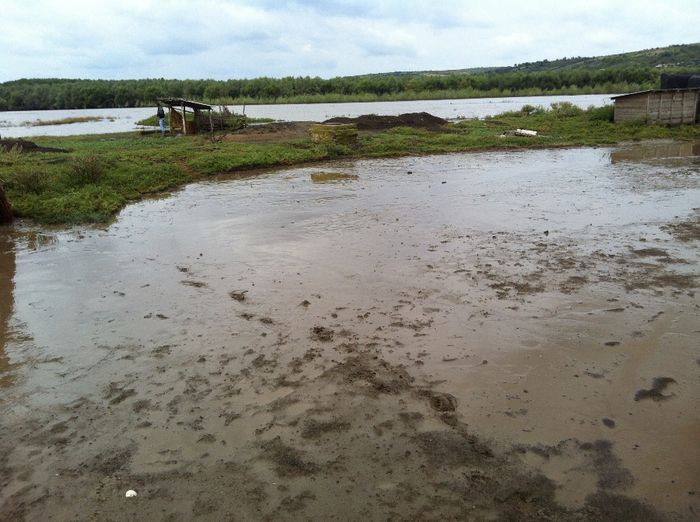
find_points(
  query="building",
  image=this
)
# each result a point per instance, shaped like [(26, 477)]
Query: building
[(664, 106)]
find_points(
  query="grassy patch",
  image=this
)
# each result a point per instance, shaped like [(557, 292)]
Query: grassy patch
[(66, 121), (100, 174)]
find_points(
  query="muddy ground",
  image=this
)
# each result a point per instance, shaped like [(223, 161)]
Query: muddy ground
[(367, 124), (496, 336)]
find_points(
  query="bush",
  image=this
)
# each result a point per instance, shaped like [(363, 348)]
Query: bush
[(565, 109), (27, 180), (605, 113), (531, 110), (87, 169)]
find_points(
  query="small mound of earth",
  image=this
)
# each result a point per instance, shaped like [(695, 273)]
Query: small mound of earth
[(375, 122), (25, 146)]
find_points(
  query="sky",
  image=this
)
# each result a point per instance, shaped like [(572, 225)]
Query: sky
[(221, 39)]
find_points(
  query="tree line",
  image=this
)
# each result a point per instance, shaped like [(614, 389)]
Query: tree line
[(35, 94)]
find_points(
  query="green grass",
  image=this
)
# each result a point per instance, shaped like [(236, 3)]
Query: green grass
[(99, 175)]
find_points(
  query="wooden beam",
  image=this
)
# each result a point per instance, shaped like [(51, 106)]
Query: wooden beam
[(184, 121)]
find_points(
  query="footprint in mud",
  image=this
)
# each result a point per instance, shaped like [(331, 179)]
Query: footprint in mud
[(655, 393), (321, 333), (192, 283), (117, 394)]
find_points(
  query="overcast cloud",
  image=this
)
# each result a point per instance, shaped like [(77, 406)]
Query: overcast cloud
[(222, 39)]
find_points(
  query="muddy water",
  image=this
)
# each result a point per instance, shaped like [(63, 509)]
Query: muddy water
[(541, 291)]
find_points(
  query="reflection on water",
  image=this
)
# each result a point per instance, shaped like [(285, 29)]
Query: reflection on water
[(656, 150), (7, 274)]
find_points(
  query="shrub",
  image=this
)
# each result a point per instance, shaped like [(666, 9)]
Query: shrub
[(87, 169), (605, 113), (565, 109), (27, 180), (531, 110)]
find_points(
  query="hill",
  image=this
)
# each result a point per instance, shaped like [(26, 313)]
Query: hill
[(681, 55), (579, 75)]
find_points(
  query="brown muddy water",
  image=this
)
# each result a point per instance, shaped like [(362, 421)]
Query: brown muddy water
[(490, 336)]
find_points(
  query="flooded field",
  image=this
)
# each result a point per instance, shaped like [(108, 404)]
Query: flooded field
[(20, 123), (502, 335)]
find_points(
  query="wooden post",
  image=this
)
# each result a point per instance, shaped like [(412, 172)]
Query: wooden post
[(184, 121), (5, 208), (211, 124)]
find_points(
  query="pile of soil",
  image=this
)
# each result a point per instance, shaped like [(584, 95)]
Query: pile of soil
[(375, 122), (25, 146)]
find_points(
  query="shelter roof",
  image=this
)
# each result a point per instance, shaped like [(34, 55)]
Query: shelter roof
[(180, 102), (654, 90)]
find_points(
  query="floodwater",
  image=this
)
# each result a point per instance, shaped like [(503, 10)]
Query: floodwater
[(547, 297), (18, 123)]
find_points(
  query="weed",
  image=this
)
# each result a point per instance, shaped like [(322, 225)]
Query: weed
[(565, 109), (605, 113), (10, 155), (87, 169), (27, 179)]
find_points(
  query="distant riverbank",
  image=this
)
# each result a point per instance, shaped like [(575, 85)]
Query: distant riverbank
[(104, 121)]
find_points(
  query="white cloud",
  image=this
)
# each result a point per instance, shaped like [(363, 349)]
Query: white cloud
[(248, 38)]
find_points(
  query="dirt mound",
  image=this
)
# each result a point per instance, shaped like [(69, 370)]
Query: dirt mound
[(25, 146), (375, 122)]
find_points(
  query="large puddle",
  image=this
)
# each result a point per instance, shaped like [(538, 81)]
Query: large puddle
[(541, 289)]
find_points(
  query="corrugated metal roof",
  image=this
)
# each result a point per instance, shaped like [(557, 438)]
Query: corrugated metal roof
[(179, 102), (654, 90)]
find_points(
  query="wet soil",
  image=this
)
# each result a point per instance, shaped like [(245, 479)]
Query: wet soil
[(393, 347)]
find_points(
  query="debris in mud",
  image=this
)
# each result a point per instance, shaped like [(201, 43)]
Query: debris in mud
[(130, 493), (688, 230), (288, 461), (195, 284), (305, 303), (374, 122), (117, 394), (381, 376), (603, 505), (321, 333), (451, 449), (663, 280), (608, 422), (650, 252), (238, 295), (655, 393), (572, 284), (314, 429), (442, 402)]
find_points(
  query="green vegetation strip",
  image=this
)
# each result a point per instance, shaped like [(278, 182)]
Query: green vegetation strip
[(99, 175)]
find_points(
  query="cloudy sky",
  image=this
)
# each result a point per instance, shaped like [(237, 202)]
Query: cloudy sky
[(221, 39)]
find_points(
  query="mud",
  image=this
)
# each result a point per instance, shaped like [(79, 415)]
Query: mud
[(397, 348), (374, 122), (25, 146)]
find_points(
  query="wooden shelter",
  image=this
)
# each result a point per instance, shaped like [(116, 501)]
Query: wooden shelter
[(665, 106), (180, 109)]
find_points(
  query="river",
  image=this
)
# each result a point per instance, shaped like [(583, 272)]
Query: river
[(20, 123)]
